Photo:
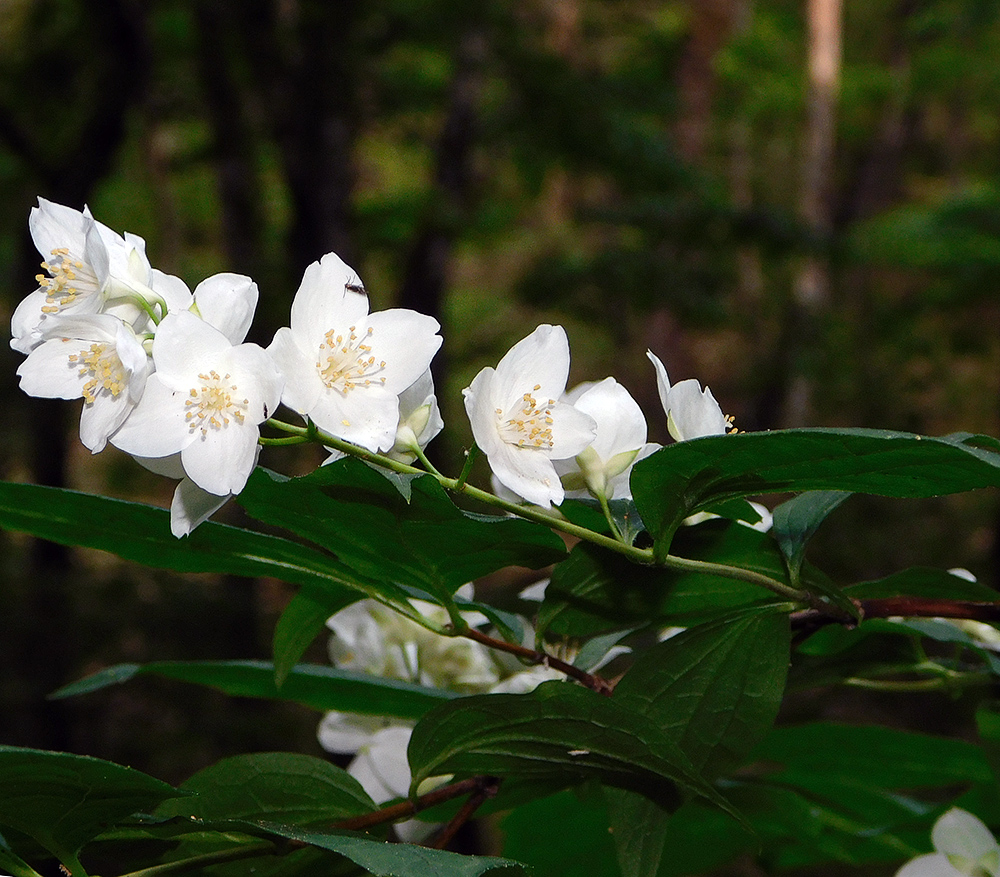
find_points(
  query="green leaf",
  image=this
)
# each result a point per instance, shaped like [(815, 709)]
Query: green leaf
[(795, 522), (920, 581), (594, 591), (563, 835), (714, 690), (141, 533), (558, 730), (400, 860), (302, 621), (63, 800), (316, 686), (872, 755), (686, 477), (639, 829), (14, 865), (426, 542), (282, 787)]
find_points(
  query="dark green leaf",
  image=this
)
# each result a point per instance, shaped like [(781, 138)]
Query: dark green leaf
[(921, 581), (273, 786), (795, 522), (302, 621), (872, 755), (400, 860), (63, 800), (686, 477), (594, 591), (557, 730), (639, 828), (426, 542), (564, 835), (714, 690), (142, 533), (316, 686)]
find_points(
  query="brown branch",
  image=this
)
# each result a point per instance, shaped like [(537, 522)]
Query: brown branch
[(907, 607), (406, 809), (591, 680), (487, 788)]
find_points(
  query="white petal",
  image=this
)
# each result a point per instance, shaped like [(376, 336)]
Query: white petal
[(323, 301), (157, 427), (382, 768), (257, 377), (931, 865), (366, 416), (221, 460), (621, 425), (168, 467), (346, 733), (228, 302), (481, 404), (693, 413), (53, 225), (959, 833), (47, 372), (26, 321), (662, 381), (406, 341), (183, 345), (303, 385), (192, 506), (172, 290), (528, 472), (100, 418), (572, 431), (541, 359)]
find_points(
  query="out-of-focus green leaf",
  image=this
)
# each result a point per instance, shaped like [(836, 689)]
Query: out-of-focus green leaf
[(686, 477), (638, 827), (920, 581), (715, 689), (563, 835), (282, 787), (62, 800), (316, 686), (426, 542), (873, 755), (558, 730)]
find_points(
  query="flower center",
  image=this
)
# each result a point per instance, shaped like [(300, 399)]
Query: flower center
[(69, 278), (348, 362), (528, 424), (212, 404), (101, 362)]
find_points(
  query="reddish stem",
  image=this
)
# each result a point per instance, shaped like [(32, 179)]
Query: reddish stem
[(405, 809), (591, 680), (488, 787)]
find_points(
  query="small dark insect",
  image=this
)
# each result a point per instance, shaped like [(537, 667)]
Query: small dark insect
[(265, 412), (356, 287)]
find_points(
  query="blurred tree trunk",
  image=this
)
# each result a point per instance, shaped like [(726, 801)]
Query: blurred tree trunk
[(233, 144), (811, 291), (43, 640)]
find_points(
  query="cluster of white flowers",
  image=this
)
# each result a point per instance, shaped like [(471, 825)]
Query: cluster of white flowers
[(166, 376)]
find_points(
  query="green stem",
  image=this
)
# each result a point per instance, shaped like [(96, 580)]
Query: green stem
[(285, 440), (233, 854), (643, 556), (603, 500), (470, 459), (422, 457)]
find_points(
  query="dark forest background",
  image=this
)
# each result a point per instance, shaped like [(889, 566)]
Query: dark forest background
[(794, 201)]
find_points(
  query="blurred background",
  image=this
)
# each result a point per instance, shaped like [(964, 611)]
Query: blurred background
[(794, 201)]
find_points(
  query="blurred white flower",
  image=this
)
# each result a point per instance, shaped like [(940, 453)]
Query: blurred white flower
[(345, 368), (691, 412), (963, 846), (518, 421)]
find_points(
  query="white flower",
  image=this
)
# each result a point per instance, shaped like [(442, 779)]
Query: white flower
[(205, 401), (603, 468), (518, 421), (93, 356), (88, 269), (345, 368), (691, 412), (227, 302), (963, 845)]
